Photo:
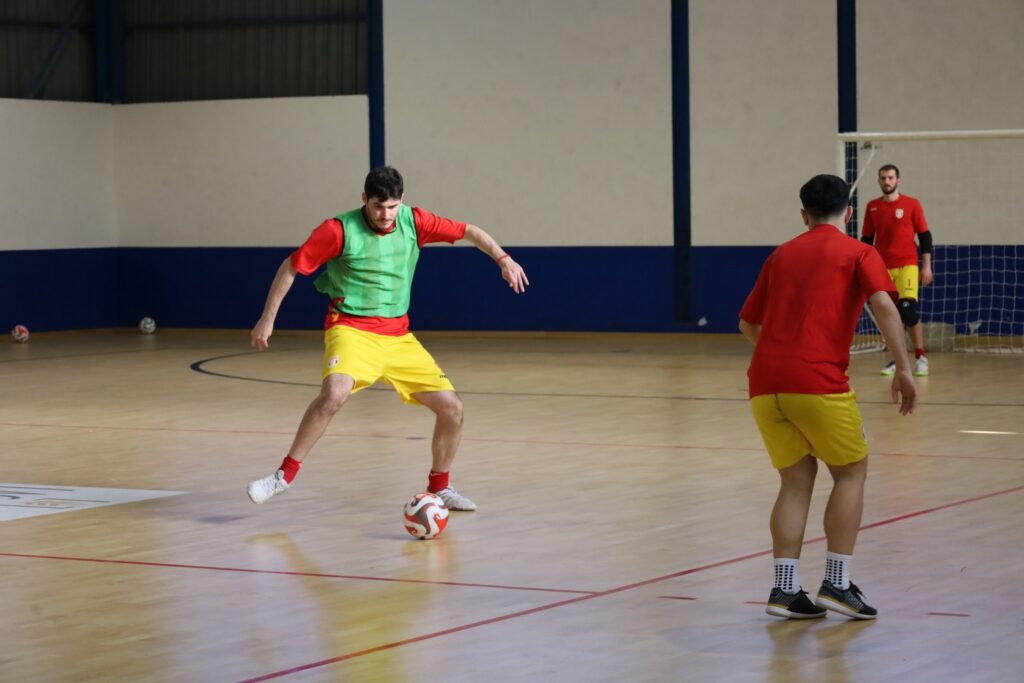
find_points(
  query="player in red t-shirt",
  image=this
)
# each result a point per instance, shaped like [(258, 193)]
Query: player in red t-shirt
[(801, 317), (371, 255), (891, 223)]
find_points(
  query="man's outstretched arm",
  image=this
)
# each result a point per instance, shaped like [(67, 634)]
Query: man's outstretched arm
[(259, 338), (511, 271), (904, 391)]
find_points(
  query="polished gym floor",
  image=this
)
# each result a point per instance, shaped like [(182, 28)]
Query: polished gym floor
[(622, 533)]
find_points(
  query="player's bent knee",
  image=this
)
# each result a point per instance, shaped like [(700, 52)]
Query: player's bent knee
[(908, 312), (334, 393), (853, 472), (445, 404), (453, 408)]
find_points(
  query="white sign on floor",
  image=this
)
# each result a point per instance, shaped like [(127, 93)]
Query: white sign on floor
[(18, 501)]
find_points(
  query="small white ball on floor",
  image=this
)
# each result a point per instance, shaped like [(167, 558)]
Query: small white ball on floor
[(425, 516)]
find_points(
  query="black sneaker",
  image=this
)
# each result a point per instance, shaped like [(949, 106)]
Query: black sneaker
[(792, 606), (849, 602)]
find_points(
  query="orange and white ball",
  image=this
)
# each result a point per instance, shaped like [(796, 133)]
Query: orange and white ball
[(425, 516), (20, 334)]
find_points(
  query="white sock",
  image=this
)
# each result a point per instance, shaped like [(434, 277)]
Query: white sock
[(837, 570), (787, 574)]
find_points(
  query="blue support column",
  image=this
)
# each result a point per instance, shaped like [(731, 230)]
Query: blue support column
[(108, 52), (846, 40), (681, 159), (375, 78), (846, 44)]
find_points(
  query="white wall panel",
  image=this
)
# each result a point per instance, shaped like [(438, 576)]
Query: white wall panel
[(940, 64), (56, 188), (237, 172), (547, 123), (764, 114)]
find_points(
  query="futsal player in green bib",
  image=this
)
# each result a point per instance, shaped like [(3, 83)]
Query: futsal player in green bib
[(370, 255)]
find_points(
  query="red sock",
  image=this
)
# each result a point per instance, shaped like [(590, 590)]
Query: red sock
[(290, 468), (918, 353), (437, 481)]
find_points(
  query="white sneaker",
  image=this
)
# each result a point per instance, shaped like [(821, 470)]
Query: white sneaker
[(454, 500), (921, 367), (890, 369), (262, 490)]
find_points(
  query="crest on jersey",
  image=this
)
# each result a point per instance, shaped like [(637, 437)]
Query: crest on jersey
[(899, 213)]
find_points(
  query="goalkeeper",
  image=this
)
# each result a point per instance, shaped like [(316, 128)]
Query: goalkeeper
[(891, 223)]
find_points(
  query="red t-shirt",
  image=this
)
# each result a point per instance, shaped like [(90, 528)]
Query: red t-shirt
[(895, 225), (326, 242), (807, 300)]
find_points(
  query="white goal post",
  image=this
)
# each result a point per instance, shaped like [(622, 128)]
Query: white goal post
[(971, 185)]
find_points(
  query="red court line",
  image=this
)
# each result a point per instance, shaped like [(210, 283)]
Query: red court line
[(482, 440), (504, 617), (942, 507), (601, 594), (243, 570)]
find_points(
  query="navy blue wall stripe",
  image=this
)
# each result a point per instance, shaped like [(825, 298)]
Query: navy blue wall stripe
[(846, 41), (626, 289), (108, 52), (458, 288), (60, 289), (681, 235), (375, 78)]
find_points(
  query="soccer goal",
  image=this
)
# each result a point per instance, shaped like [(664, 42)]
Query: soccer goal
[(971, 185)]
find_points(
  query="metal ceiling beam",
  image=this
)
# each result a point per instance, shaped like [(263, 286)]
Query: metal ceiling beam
[(49, 63)]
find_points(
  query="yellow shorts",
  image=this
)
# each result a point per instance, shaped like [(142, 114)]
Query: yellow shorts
[(905, 278), (827, 426), (368, 357)]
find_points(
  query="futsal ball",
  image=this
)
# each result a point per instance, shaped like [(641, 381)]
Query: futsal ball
[(20, 334), (147, 326), (425, 516)]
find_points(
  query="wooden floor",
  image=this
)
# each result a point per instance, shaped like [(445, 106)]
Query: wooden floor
[(622, 533)]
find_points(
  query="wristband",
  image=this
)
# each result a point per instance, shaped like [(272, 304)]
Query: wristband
[(501, 258)]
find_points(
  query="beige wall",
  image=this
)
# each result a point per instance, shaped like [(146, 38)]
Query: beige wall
[(222, 173), (763, 114), (237, 172), (547, 123), (56, 188), (940, 64)]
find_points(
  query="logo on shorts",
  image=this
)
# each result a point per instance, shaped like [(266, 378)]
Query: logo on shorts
[(899, 213), (332, 362)]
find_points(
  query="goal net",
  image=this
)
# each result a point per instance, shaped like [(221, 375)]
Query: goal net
[(969, 183)]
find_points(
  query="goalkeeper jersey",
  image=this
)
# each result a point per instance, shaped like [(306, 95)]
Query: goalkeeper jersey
[(894, 226)]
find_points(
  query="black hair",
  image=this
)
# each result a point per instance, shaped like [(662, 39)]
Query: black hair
[(889, 167), (384, 183), (824, 196)]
